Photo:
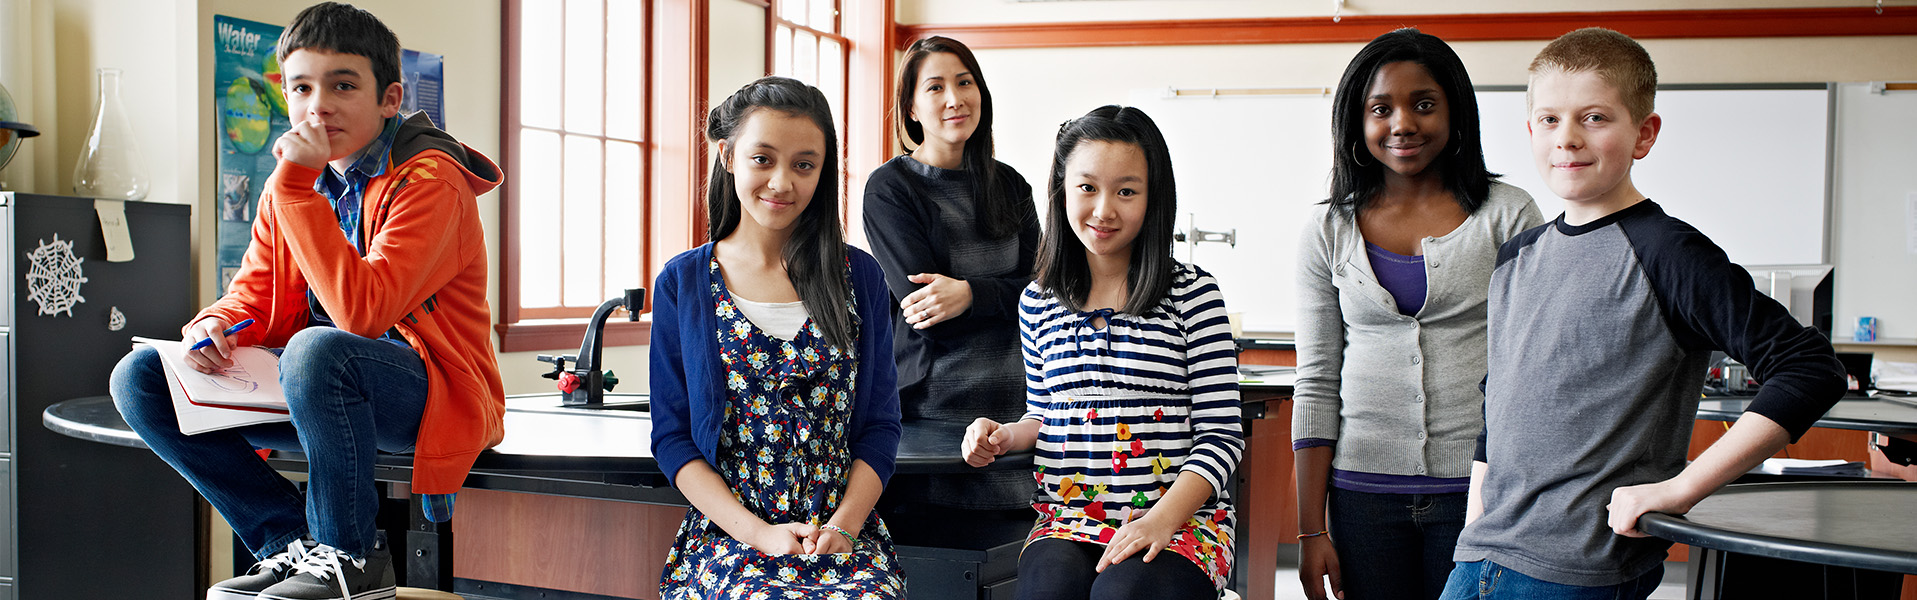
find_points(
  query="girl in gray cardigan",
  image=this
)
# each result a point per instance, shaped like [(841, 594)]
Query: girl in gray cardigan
[(1392, 278)]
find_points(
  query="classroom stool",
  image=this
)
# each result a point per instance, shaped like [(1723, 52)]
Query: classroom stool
[(409, 593)]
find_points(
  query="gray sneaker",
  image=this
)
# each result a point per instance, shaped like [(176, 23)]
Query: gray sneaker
[(263, 574), (328, 574)]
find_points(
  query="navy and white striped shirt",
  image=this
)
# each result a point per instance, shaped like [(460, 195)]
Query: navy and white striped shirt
[(1180, 351)]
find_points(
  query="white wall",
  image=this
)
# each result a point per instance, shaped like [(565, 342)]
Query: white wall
[(1033, 95), (89, 34), (26, 32)]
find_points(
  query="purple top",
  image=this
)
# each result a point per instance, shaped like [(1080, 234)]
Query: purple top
[(1380, 483), (1401, 275)]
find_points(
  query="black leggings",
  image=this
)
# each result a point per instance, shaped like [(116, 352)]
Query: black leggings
[(1055, 569)]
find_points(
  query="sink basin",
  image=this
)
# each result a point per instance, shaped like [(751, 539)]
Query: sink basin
[(639, 405), (634, 404)]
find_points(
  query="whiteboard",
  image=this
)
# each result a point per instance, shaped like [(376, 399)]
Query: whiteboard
[(1875, 230), (1750, 167)]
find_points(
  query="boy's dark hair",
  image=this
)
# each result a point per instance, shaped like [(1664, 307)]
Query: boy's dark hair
[(1355, 178), (997, 217), (1062, 268), (815, 260), (341, 28), (1615, 57)]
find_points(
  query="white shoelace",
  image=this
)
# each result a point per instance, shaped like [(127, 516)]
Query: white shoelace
[(323, 561), (295, 552)]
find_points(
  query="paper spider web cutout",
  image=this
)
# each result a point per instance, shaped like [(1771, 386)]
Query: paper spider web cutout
[(54, 280)]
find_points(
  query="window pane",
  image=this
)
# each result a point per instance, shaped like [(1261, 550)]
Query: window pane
[(583, 219), (805, 57), (585, 65), (624, 225), (792, 10), (539, 35), (782, 51), (537, 197), (832, 78), (625, 68), (823, 12)]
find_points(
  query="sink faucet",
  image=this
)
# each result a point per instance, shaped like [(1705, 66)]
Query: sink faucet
[(585, 384)]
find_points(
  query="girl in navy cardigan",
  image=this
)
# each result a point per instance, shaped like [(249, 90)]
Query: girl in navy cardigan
[(774, 406)]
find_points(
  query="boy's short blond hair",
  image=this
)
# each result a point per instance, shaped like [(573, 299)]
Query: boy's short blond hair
[(1613, 56)]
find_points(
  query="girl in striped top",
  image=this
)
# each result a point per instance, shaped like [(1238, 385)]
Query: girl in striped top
[(1132, 386)]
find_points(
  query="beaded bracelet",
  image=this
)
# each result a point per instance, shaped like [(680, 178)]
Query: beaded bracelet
[(1306, 535), (848, 535)]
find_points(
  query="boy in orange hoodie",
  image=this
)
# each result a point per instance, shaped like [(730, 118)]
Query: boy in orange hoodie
[(368, 267)]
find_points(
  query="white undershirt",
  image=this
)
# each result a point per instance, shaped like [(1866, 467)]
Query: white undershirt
[(781, 320)]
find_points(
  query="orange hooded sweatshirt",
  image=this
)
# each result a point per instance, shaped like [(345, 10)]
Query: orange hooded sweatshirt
[(424, 273)]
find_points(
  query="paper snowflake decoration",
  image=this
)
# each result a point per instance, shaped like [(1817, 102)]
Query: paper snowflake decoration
[(54, 280)]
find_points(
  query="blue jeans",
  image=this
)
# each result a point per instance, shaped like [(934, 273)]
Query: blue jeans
[(1394, 545), (349, 396), (1491, 581)]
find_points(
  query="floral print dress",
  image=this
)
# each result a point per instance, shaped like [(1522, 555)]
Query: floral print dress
[(785, 455)]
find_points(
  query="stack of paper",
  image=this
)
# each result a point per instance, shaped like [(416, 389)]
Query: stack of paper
[(1827, 468), (1894, 376), (246, 393)]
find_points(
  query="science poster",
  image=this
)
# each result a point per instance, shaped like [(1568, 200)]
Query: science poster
[(252, 111), (252, 114)]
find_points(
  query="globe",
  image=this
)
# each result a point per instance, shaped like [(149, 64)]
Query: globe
[(11, 129)]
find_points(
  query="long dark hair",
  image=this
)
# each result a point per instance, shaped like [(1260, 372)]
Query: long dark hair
[(997, 217), (1062, 268), (814, 256), (1353, 184)]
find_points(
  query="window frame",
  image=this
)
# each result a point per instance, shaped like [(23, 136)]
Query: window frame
[(522, 328), (774, 19), (677, 50)]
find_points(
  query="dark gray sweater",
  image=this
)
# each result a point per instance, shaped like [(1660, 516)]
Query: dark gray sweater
[(1598, 339), (924, 219)]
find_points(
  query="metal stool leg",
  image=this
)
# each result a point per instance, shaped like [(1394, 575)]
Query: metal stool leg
[(429, 550)]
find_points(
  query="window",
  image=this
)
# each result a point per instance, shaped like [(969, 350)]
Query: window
[(809, 44), (575, 207)]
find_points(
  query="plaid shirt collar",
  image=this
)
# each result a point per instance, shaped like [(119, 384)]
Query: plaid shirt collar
[(346, 190)]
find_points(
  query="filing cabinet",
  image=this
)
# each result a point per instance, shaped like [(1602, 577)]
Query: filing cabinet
[(84, 519)]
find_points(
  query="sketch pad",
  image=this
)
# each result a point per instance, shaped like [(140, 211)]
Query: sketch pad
[(247, 393)]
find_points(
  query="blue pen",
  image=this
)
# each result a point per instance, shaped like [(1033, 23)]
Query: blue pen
[(229, 332)]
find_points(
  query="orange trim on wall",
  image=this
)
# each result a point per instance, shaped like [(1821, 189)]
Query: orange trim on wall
[(1743, 23)]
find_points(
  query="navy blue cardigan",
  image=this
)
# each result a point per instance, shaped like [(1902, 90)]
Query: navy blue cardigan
[(688, 382)]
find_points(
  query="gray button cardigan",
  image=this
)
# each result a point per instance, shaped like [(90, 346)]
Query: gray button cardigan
[(1398, 393)]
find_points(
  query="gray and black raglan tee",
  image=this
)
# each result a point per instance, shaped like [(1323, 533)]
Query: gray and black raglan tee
[(1598, 338)]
